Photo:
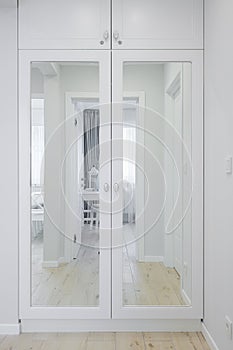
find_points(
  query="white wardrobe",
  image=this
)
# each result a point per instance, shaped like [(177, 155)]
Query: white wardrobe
[(111, 90)]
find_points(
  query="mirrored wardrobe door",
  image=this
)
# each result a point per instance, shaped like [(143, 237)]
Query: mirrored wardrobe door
[(65, 171), (157, 184)]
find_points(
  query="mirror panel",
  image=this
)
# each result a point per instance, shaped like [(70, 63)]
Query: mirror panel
[(65, 203), (157, 184)]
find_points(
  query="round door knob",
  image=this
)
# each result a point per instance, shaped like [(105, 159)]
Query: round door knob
[(116, 187)]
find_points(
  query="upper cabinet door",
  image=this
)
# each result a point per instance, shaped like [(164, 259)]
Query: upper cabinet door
[(157, 24), (64, 24)]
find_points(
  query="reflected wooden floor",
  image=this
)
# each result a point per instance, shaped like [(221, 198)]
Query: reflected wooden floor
[(152, 284), (147, 283), (77, 283), (107, 341)]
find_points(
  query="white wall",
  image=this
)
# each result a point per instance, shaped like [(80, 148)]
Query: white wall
[(8, 174), (52, 179), (150, 79), (218, 185), (37, 81), (49, 86)]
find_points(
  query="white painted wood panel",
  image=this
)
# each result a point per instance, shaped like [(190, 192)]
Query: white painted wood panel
[(127, 325), (66, 24), (158, 24), (9, 173)]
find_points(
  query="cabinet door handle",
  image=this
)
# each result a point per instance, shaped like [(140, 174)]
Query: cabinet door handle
[(106, 187), (106, 35), (115, 35), (116, 187)]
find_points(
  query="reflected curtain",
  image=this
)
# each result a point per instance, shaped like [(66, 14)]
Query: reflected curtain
[(37, 154), (91, 140), (129, 172)]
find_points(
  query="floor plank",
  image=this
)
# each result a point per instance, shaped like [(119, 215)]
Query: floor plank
[(203, 342), (100, 345), (187, 341), (2, 337), (160, 336), (132, 341), (105, 341)]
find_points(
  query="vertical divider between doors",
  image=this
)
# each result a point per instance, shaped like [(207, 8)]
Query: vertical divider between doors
[(110, 35), (111, 287)]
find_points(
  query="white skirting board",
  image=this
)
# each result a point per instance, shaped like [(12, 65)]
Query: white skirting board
[(31, 326), (210, 341), (154, 258), (50, 264), (11, 329), (186, 297), (53, 263)]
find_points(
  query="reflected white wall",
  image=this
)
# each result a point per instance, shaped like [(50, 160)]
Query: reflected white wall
[(150, 79)]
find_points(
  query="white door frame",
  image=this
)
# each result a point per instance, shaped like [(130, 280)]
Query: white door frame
[(195, 311), (139, 200), (174, 90), (26, 310), (71, 249)]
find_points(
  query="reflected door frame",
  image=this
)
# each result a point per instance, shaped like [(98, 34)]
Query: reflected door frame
[(195, 311), (72, 247), (173, 257), (139, 200), (27, 311)]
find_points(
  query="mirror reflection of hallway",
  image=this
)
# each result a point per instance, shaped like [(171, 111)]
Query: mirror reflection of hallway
[(65, 177), (65, 218), (156, 219)]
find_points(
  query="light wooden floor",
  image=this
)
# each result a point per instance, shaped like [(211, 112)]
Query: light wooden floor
[(106, 341), (149, 283), (77, 283)]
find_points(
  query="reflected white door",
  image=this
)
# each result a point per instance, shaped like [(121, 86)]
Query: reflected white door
[(178, 237)]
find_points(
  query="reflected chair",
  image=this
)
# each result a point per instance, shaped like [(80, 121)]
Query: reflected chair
[(37, 212)]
